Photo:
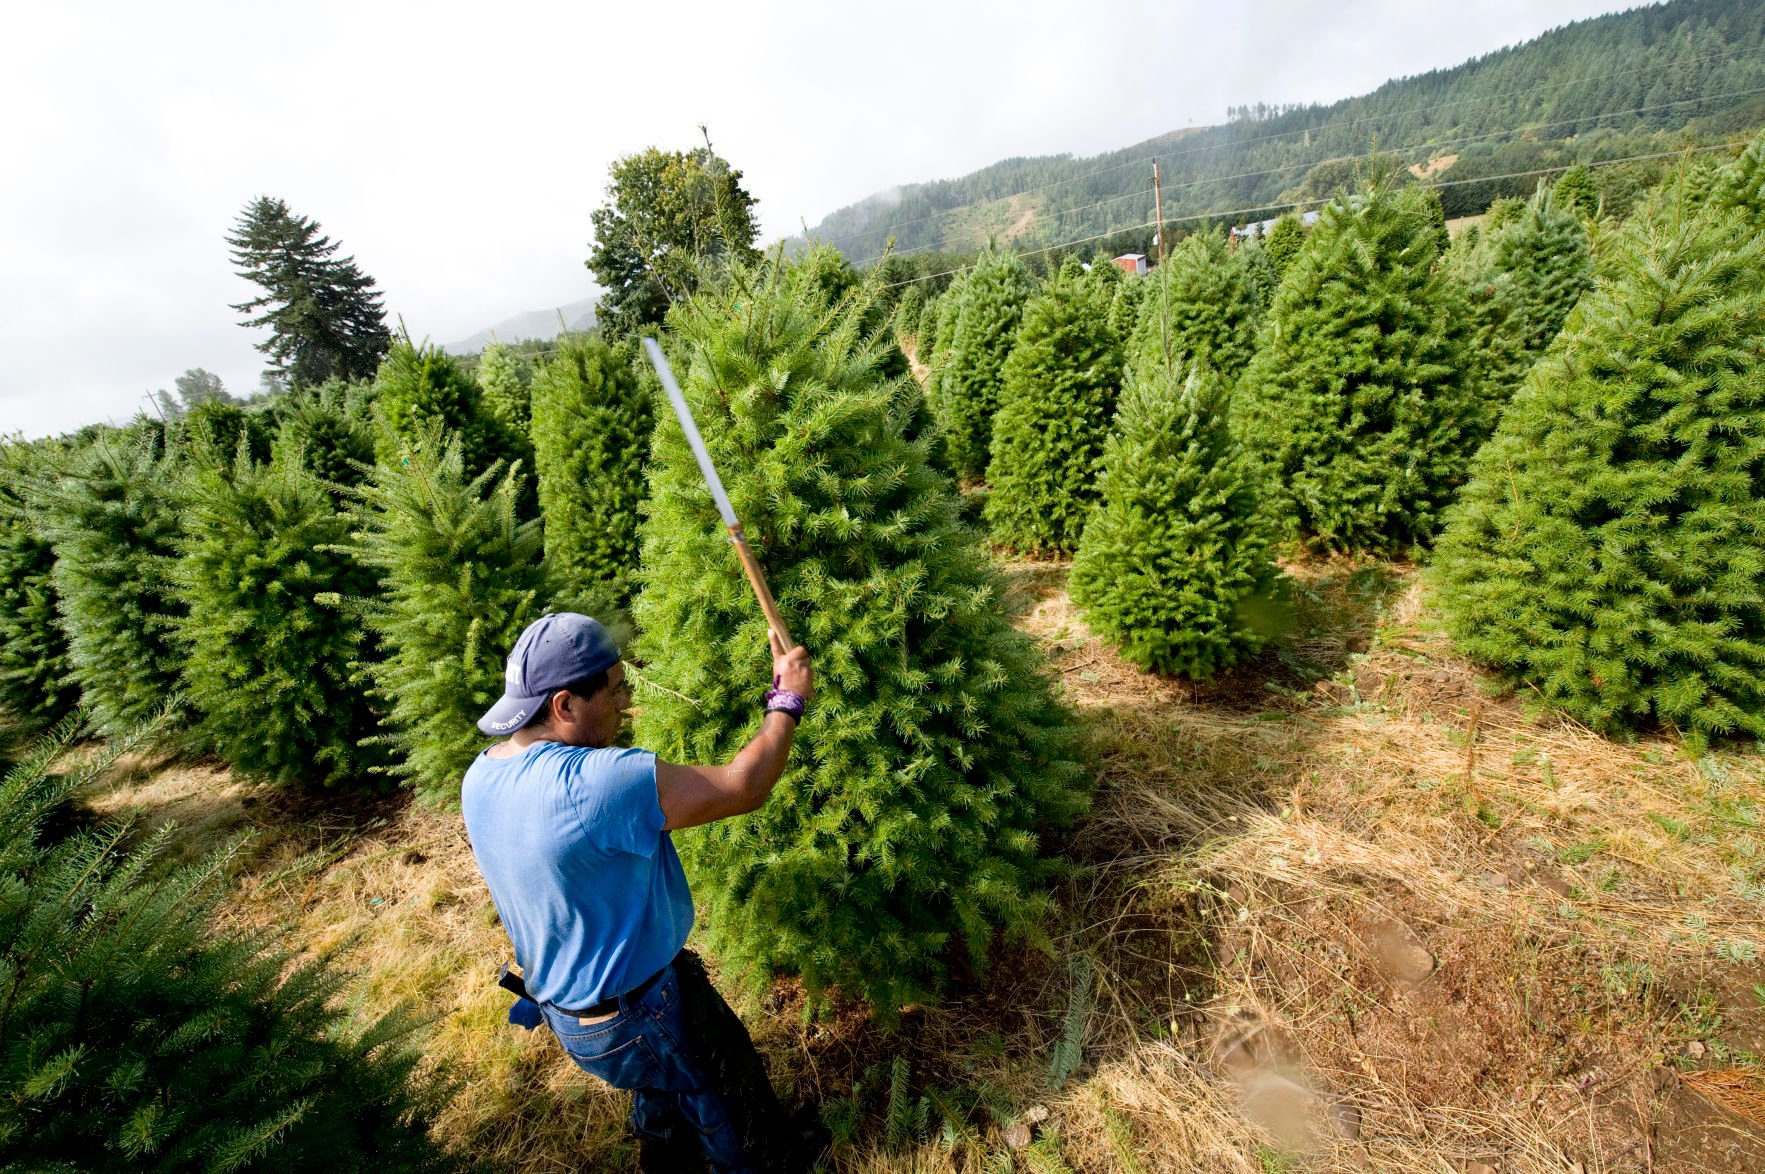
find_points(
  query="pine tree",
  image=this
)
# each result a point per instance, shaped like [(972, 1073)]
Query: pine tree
[(1201, 307), (1607, 551), (1060, 386), (966, 393), (418, 386), (460, 576), (324, 314), (1741, 185), (1174, 567), (331, 427), (1520, 281), (211, 431), (130, 1040), (927, 329), (270, 674), (1576, 193), (1359, 400), (591, 437), (505, 376), (111, 513), (906, 315), (36, 674), (934, 755), (1284, 242), (1545, 251)]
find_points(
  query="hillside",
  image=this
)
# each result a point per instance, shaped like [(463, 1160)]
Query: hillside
[(1641, 82), (534, 324)]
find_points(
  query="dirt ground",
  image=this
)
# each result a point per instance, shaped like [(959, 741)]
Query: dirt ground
[(1348, 907)]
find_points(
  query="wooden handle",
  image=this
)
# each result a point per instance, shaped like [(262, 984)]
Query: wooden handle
[(757, 580)]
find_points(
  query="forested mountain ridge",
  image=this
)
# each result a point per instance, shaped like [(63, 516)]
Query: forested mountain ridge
[(1644, 81)]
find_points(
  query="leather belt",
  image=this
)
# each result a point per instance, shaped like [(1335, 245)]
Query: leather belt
[(611, 1004)]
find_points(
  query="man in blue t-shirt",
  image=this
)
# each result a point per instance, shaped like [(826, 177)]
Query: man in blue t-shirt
[(572, 836)]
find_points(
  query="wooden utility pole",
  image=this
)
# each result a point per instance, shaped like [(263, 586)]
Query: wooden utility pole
[(1158, 201)]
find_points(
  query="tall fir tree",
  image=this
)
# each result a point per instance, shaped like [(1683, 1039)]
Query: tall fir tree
[(591, 436), (966, 391), (1060, 386), (323, 313), (132, 1040), (909, 826), (1360, 399), (460, 576), (505, 377), (111, 512), (36, 674), (271, 676), (1174, 567), (1201, 307), (1607, 551)]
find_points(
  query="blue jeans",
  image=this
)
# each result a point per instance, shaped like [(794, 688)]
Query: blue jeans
[(647, 1047)]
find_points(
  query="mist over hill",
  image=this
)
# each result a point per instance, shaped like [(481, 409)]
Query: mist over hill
[(1644, 82), (540, 324)]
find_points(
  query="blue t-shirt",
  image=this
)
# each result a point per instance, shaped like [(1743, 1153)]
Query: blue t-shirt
[(586, 882)]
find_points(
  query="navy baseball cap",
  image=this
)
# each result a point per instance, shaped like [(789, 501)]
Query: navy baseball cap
[(555, 650)]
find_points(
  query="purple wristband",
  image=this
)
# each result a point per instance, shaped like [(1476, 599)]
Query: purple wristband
[(785, 701)]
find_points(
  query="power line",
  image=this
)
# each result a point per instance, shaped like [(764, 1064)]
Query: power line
[(1328, 126), (1301, 203)]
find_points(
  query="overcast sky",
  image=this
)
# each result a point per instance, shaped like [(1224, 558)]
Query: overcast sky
[(456, 151)]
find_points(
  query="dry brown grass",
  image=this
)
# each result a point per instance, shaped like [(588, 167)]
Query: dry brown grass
[(1341, 910)]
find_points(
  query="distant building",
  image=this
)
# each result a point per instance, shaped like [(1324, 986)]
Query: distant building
[(1262, 227), (1134, 263)]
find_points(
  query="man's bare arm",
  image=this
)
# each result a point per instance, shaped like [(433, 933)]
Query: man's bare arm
[(694, 795)]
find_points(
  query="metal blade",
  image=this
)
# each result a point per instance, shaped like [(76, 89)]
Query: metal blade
[(660, 361)]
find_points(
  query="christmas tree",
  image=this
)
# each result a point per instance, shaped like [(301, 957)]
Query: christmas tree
[(1576, 193), (1544, 251), (36, 675), (1284, 242), (1058, 403), (1359, 399), (331, 428), (1201, 307), (1520, 282), (269, 674), (934, 758), (965, 395), (505, 376), (1741, 185), (1174, 567), (130, 1040), (460, 576), (110, 511), (419, 386), (591, 438), (1607, 551)]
